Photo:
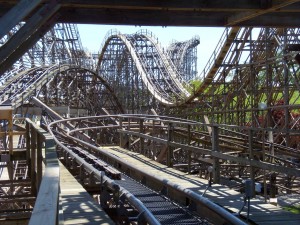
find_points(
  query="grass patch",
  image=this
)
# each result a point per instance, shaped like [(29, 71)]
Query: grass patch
[(294, 209)]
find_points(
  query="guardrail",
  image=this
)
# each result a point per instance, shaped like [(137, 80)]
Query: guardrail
[(110, 184), (175, 133), (41, 148), (200, 204)]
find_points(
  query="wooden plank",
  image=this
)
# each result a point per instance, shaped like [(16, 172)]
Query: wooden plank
[(46, 203), (77, 205), (17, 14), (221, 195)]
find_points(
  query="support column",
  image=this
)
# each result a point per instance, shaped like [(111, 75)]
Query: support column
[(286, 94), (142, 149), (121, 135), (252, 175), (39, 166), (189, 152), (215, 148), (169, 150), (28, 144), (17, 14), (33, 162), (35, 27)]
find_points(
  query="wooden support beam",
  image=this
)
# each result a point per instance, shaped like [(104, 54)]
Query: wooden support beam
[(39, 159), (142, 149), (215, 148), (162, 154), (33, 161), (169, 149), (28, 35), (8, 183), (34, 23), (252, 174), (221, 155), (244, 16), (17, 14), (46, 206), (189, 152), (28, 140)]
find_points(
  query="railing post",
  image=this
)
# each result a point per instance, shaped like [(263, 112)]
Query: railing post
[(189, 152), (252, 177), (142, 149), (121, 134), (215, 148), (128, 136), (153, 150), (33, 161), (271, 146), (169, 151), (28, 140), (50, 151), (39, 160), (273, 185)]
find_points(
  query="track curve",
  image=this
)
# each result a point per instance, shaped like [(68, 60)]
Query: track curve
[(64, 84), (163, 83)]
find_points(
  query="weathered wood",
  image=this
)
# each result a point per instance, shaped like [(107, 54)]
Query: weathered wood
[(33, 161), (222, 195), (16, 15), (252, 172), (23, 221), (27, 36), (215, 148), (39, 158), (46, 206), (77, 205), (240, 160)]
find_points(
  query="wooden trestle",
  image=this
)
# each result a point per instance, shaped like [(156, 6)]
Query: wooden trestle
[(77, 206), (260, 212)]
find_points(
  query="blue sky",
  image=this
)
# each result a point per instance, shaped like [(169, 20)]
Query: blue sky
[(93, 35)]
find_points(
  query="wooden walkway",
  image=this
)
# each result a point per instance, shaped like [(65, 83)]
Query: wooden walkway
[(260, 212), (77, 205)]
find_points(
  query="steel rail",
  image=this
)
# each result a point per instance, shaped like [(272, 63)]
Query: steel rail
[(216, 209), (243, 161), (113, 185), (190, 194)]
